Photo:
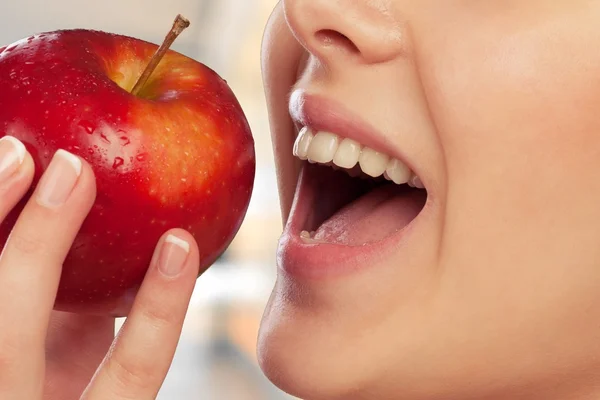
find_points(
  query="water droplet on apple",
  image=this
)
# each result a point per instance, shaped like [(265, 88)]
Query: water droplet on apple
[(118, 161), (141, 156), (104, 137), (91, 151), (88, 126), (124, 140)]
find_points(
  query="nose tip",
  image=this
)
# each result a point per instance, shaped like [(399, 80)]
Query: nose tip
[(328, 28)]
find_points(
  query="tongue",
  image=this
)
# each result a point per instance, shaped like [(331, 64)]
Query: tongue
[(373, 216)]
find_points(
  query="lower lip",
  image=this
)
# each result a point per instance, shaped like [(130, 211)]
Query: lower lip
[(303, 260)]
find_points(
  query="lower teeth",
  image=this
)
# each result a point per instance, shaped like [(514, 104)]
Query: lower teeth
[(308, 237)]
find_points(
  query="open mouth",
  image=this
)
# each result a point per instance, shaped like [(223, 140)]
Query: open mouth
[(356, 195)]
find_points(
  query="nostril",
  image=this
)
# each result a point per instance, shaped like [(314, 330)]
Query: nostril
[(329, 37)]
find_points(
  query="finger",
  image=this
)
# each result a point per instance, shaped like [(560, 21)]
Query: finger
[(16, 173), (141, 355), (75, 347), (31, 261)]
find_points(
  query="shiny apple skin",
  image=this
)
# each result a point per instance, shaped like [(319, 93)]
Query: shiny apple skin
[(180, 155)]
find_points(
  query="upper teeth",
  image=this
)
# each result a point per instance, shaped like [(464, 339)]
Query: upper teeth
[(326, 147)]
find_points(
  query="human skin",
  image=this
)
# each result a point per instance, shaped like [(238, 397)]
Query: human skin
[(50, 355), (496, 294)]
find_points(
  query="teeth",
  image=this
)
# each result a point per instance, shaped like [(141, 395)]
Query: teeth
[(397, 172), (373, 163), (347, 154), (415, 182), (309, 237), (323, 147), (303, 143)]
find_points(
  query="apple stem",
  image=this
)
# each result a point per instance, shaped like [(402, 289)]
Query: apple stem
[(178, 26)]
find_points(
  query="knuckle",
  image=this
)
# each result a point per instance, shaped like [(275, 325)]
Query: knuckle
[(10, 352), (130, 375), (6, 359), (158, 316), (6, 372), (28, 243)]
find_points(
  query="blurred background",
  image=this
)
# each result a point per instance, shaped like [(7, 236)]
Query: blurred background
[(216, 356)]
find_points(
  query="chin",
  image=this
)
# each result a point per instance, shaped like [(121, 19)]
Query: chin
[(343, 339), (300, 355)]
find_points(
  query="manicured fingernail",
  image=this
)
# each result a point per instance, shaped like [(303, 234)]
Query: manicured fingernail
[(173, 254), (59, 179), (12, 154)]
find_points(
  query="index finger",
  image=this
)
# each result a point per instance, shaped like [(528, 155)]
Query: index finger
[(30, 267), (31, 262)]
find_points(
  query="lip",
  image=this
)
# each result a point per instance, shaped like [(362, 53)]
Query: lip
[(322, 261), (321, 114)]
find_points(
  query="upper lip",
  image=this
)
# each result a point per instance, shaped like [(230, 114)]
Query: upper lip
[(322, 114)]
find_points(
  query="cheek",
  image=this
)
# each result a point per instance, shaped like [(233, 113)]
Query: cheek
[(529, 98), (518, 122)]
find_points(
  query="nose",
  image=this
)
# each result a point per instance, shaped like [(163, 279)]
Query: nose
[(367, 29)]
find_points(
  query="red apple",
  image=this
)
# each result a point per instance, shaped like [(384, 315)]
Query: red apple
[(179, 154)]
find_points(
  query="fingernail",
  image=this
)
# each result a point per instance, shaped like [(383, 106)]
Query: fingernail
[(59, 179), (12, 154), (173, 254)]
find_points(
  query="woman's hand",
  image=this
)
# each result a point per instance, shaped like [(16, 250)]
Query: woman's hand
[(50, 355)]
